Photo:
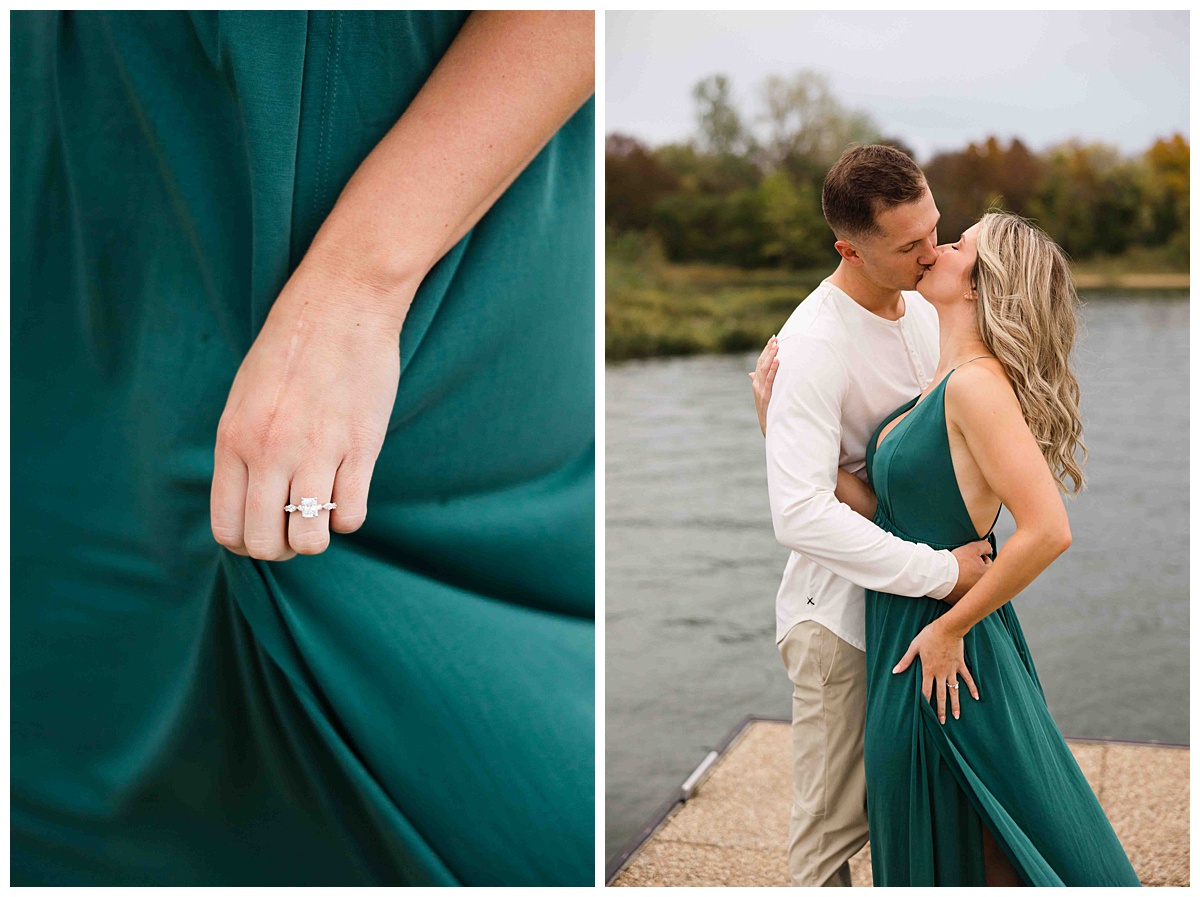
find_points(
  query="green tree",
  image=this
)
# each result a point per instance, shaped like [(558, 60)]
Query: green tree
[(722, 230), (703, 172), (797, 236), (1089, 199)]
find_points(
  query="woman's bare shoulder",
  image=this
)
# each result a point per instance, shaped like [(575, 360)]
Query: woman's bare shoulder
[(981, 393)]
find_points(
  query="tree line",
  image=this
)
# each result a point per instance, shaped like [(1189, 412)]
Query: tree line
[(746, 191)]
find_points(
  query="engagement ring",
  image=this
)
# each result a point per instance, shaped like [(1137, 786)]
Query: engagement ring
[(308, 507)]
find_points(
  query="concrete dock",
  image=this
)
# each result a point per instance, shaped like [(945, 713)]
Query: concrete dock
[(733, 830)]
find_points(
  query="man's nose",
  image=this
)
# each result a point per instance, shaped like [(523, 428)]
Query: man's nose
[(930, 254)]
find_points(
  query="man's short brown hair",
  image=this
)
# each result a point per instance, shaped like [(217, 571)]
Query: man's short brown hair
[(865, 181)]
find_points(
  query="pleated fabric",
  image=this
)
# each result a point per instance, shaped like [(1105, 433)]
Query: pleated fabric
[(415, 704), (1003, 763)]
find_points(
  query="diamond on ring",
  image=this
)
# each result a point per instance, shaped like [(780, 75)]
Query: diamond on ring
[(951, 685), (309, 507)]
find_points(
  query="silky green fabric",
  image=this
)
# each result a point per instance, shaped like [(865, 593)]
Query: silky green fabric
[(415, 704), (930, 786)]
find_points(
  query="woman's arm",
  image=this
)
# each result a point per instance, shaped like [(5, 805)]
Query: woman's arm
[(508, 81), (854, 492), (982, 404), (984, 407)]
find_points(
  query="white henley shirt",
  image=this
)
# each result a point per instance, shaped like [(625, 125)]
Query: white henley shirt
[(842, 370)]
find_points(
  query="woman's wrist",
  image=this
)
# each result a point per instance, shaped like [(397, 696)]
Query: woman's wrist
[(361, 243), (951, 624), (341, 281)]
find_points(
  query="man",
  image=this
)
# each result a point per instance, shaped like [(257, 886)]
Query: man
[(859, 346)]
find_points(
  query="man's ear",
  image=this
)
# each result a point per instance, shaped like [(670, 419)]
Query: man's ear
[(848, 252)]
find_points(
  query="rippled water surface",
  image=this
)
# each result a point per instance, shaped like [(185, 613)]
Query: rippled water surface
[(693, 566)]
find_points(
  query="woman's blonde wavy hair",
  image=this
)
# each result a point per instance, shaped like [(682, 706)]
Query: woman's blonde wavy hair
[(1027, 311)]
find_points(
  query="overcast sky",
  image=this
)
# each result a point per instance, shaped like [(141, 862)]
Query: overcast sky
[(936, 80)]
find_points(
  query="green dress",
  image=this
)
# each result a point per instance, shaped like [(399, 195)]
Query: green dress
[(1004, 762), (415, 704)]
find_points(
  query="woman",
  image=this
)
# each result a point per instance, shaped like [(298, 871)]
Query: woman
[(991, 795), (232, 231)]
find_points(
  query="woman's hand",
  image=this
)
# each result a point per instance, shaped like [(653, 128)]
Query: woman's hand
[(307, 414), (763, 378), (942, 661), (310, 405)]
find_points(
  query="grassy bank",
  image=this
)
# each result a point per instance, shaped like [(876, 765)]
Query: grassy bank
[(653, 308)]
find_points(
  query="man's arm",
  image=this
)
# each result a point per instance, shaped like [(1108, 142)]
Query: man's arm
[(803, 446)]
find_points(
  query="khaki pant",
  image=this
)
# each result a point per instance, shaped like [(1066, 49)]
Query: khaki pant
[(829, 785)]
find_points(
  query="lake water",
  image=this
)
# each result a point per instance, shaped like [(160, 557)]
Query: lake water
[(693, 566)]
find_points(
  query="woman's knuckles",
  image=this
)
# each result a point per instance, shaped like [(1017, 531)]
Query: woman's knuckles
[(310, 542), (267, 549), (347, 521)]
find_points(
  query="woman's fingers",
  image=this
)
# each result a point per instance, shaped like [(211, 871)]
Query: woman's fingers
[(227, 499), (941, 698), (350, 488), (766, 358), (964, 675), (247, 505), (902, 664), (267, 490), (954, 707), (310, 535)]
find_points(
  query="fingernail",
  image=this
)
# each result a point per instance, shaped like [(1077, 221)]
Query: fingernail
[(956, 714)]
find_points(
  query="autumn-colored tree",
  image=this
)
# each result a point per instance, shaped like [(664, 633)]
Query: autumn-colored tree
[(634, 182), (1166, 219), (745, 190), (968, 182)]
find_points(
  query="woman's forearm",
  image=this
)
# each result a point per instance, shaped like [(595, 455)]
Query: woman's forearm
[(507, 83), (854, 492), (1023, 559)]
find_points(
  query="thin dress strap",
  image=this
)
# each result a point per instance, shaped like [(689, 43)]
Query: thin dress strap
[(976, 358)]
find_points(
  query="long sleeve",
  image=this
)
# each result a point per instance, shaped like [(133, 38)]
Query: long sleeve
[(803, 446)]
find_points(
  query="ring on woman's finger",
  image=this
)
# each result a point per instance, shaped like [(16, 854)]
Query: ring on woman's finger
[(951, 685), (308, 507)]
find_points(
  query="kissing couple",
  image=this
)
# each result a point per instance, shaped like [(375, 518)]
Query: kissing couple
[(917, 716)]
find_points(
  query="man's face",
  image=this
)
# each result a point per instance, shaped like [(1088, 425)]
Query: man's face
[(897, 256)]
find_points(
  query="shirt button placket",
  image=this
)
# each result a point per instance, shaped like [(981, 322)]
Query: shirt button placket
[(913, 359)]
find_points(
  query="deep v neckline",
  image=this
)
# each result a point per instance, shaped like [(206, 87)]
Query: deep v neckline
[(918, 401), (896, 422)]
